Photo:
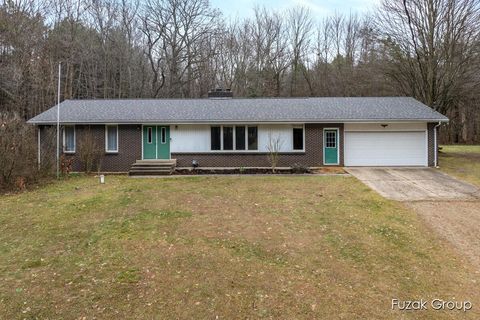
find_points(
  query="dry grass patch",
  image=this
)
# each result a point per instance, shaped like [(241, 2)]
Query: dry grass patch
[(461, 161), (233, 247)]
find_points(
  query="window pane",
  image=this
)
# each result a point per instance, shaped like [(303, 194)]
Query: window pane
[(252, 138), (297, 138), (163, 133), (331, 139), (215, 138), (69, 138), (227, 138), (111, 138), (149, 135), (240, 138)]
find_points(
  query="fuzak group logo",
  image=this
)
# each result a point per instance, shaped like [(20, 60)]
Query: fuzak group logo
[(434, 304)]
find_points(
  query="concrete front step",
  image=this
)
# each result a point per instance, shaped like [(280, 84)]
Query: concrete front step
[(149, 173), (153, 167)]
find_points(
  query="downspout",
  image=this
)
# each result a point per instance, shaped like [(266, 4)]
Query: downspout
[(435, 144), (38, 147)]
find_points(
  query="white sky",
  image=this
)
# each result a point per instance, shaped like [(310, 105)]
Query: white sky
[(319, 8)]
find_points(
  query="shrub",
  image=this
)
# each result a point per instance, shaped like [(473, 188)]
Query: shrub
[(18, 152), (273, 148), (66, 164), (90, 153), (299, 168)]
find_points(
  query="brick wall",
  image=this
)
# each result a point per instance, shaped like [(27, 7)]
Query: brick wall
[(312, 157), (129, 146), (130, 150)]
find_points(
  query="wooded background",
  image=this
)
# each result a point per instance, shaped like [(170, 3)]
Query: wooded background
[(428, 49)]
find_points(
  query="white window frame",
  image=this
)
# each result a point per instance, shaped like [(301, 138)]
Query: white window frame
[(234, 150), (163, 134), (74, 139), (106, 138)]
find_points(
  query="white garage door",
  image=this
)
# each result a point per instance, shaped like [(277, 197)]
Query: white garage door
[(370, 148)]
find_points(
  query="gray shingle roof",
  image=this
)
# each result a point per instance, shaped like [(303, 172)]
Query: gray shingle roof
[(240, 110)]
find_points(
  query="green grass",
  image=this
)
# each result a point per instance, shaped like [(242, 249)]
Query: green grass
[(461, 161), (461, 148), (233, 247)]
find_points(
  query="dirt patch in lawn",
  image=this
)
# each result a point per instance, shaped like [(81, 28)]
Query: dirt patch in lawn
[(455, 221)]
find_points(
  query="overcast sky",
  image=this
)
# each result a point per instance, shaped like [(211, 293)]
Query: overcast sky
[(319, 8)]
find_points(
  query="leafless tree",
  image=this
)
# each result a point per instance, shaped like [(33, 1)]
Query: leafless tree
[(300, 24), (175, 31), (274, 147), (433, 49), (89, 151), (17, 151)]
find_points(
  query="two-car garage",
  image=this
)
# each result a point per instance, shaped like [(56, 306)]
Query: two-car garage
[(390, 144)]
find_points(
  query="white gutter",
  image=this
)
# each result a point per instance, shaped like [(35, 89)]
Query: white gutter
[(435, 144), (280, 121)]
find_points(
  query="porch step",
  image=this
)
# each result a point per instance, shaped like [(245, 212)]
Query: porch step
[(153, 167)]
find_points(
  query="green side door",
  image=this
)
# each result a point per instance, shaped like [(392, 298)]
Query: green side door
[(149, 142), (163, 144), (330, 146)]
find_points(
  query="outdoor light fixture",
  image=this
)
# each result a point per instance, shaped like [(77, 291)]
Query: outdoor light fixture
[(194, 163), (384, 125)]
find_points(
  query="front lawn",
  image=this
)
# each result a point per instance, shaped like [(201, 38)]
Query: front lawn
[(221, 248), (462, 161)]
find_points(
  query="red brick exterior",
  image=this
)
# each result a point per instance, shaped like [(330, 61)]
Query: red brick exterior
[(129, 147), (130, 150), (312, 157)]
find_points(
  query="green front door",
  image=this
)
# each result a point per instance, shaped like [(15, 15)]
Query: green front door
[(330, 146), (150, 142), (163, 144), (156, 142)]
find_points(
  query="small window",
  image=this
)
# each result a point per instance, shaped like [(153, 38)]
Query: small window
[(331, 139), (215, 138), (240, 138), (252, 138), (227, 138), (112, 138), (69, 139), (163, 133), (297, 138), (149, 135)]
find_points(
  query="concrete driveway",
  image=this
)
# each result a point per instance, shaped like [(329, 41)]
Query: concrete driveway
[(415, 184)]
